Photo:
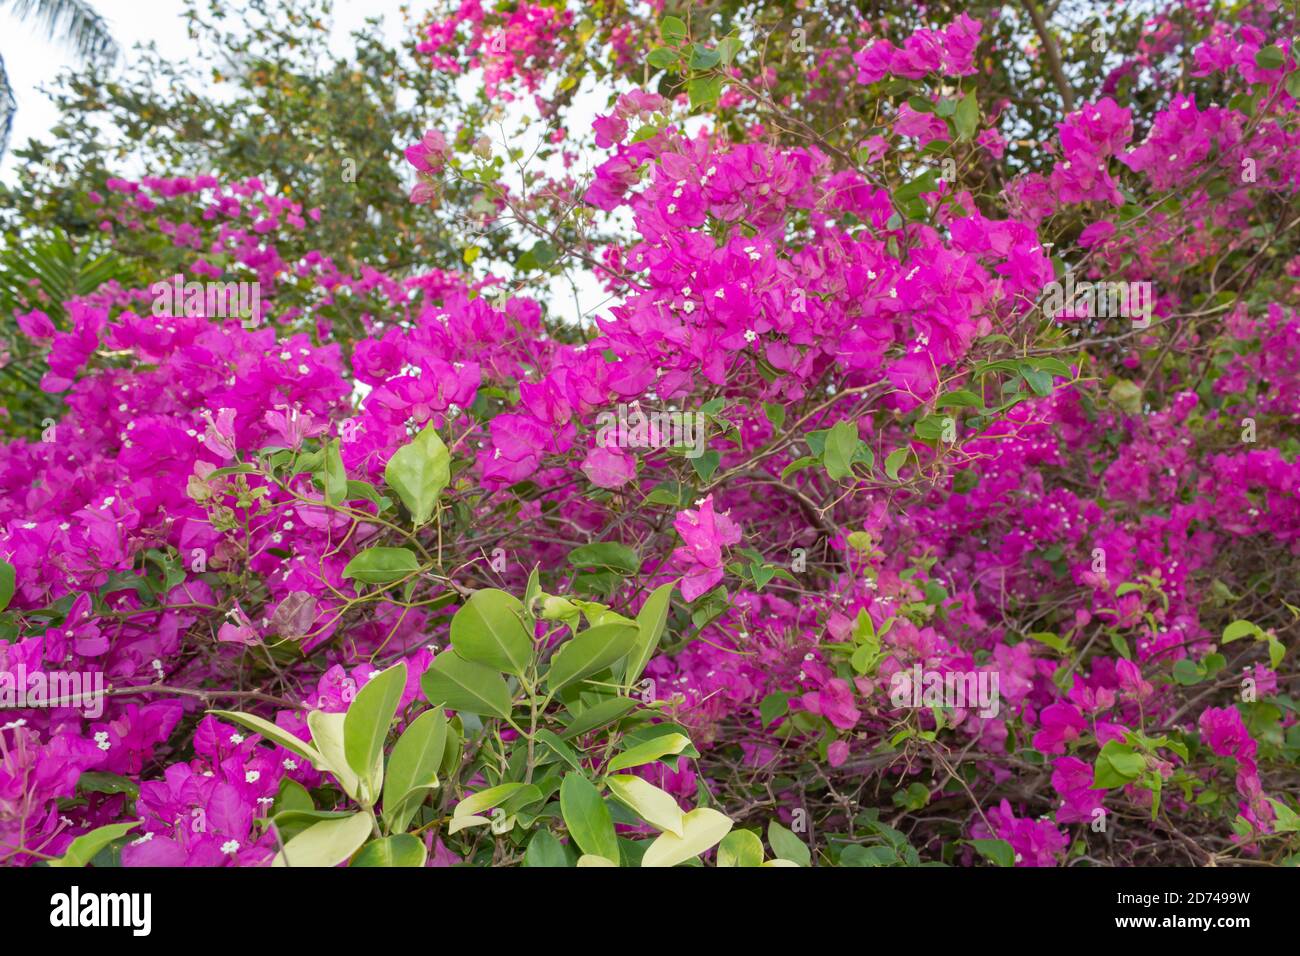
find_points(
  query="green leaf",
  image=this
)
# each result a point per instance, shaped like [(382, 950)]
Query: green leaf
[(465, 687), (799, 464), (1239, 629), (648, 752), (327, 843), (702, 829), (773, 706), (382, 565), (702, 58), (590, 651), (292, 796), (1116, 765), (543, 254), (587, 817), (858, 855), (1127, 396), (555, 743), (489, 630), (598, 715), (959, 398), (402, 850), (368, 718), (1293, 84), (1054, 641), (419, 472), (545, 850), (98, 781), (998, 852), (929, 428), (1187, 672), (967, 117), (466, 812), (1288, 821), (786, 846), (413, 767), (336, 479), (1269, 58), (705, 465), (650, 621), (740, 848), (704, 91), (895, 461), (606, 554), (327, 735), (656, 807), (841, 443), (273, 733), (673, 29), (365, 490), (1276, 651), (1040, 382), (87, 846), (661, 59), (728, 47), (7, 579)]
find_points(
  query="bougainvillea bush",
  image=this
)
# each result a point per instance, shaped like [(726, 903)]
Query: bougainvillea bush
[(923, 488)]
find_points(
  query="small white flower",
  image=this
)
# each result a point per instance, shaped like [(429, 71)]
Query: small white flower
[(236, 739), (688, 307), (230, 846), (144, 839), (252, 776), (750, 335), (290, 764)]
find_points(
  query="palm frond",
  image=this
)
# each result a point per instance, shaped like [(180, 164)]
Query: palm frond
[(8, 107), (48, 274), (74, 22)]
